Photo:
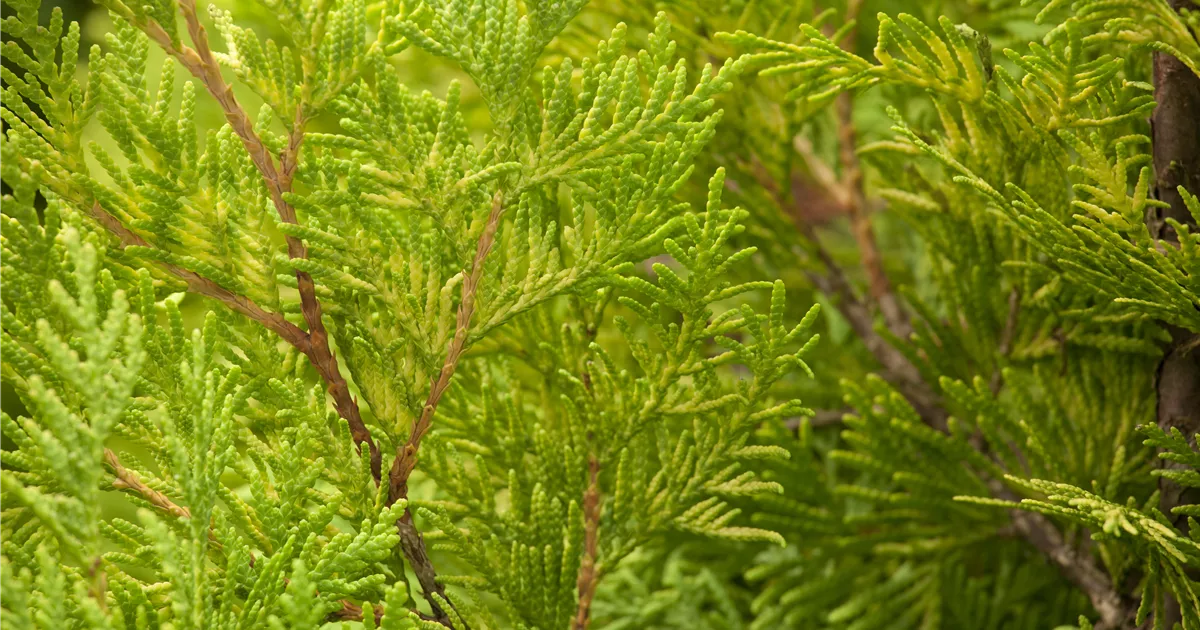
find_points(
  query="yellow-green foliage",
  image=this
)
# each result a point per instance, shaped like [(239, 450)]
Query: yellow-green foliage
[(600, 205)]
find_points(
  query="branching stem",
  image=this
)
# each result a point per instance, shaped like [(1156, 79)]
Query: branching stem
[(1080, 569), (202, 64), (406, 454), (200, 285), (897, 368)]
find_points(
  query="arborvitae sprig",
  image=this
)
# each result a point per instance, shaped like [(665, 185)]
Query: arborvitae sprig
[(95, 366), (670, 453), (420, 251), (1044, 282), (436, 329)]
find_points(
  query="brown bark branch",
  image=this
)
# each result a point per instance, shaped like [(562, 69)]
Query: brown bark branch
[(849, 192), (1078, 567), (589, 577), (353, 612), (99, 582), (860, 223), (129, 480), (1175, 145), (897, 369), (406, 455), (405, 462), (1175, 130), (1081, 569), (202, 64), (412, 543)]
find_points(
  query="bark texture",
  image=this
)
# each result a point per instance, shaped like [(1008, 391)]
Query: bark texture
[(1175, 131), (1176, 149)]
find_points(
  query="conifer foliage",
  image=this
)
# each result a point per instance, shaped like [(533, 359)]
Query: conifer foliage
[(417, 341), (295, 336)]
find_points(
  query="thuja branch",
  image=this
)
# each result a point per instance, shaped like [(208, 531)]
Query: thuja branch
[(898, 370), (1078, 567), (1081, 569), (406, 454), (1176, 154), (125, 479), (202, 64), (860, 223)]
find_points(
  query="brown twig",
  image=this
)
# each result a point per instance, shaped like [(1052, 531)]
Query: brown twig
[(353, 612), (99, 582), (1078, 567), (1039, 531), (855, 199), (899, 370), (406, 454), (589, 577), (412, 543), (1175, 131), (128, 480), (202, 64), (291, 333)]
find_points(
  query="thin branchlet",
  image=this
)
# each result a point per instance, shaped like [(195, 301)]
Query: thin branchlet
[(589, 574)]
